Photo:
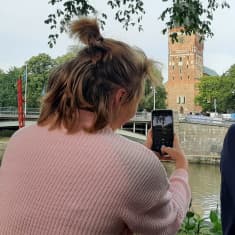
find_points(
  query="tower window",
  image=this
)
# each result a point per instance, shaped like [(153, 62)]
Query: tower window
[(180, 77), (178, 100), (188, 76), (173, 78), (180, 63), (182, 99)]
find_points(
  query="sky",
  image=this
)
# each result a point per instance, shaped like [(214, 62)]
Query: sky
[(24, 34)]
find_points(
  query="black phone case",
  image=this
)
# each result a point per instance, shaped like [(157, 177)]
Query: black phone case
[(163, 131)]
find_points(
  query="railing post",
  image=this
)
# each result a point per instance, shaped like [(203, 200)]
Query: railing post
[(134, 126), (146, 128)]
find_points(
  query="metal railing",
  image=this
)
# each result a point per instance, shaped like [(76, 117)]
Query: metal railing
[(142, 116), (12, 111), (199, 119), (206, 120)]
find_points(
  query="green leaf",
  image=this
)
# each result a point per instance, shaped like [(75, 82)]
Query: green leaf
[(213, 217), (190, 214)]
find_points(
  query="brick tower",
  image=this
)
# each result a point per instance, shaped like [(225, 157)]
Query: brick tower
[(185, 68)]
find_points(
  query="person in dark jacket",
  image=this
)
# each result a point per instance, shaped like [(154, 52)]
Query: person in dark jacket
[(227, 167)]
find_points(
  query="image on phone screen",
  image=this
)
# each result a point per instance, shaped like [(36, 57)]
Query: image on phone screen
[(162, 129)]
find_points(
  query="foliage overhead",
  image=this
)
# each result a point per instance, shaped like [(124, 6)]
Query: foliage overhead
[(192, 15)]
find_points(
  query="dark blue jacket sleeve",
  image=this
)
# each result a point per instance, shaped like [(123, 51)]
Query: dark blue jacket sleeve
[(227, 196)]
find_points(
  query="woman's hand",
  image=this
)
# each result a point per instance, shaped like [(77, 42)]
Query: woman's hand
[(176, 153)]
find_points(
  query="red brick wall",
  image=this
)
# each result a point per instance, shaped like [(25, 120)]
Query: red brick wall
[(185, 67)]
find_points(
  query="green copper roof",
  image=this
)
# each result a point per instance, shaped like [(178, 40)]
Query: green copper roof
[(209, 72)]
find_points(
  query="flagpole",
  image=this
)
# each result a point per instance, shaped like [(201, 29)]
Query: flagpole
[(25, 91)]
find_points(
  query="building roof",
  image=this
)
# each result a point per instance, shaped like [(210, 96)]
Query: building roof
[(209, 72)]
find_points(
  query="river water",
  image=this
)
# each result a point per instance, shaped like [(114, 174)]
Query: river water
[(204, 181)]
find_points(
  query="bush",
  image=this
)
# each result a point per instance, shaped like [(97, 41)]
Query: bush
[(194, 224)]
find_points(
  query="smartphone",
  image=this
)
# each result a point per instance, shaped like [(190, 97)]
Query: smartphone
[(162, 129)]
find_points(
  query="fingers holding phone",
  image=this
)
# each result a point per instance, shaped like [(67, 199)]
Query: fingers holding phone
[(177, 154), (164, 142)]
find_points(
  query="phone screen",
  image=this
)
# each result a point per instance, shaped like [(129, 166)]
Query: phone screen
[(162, 129)]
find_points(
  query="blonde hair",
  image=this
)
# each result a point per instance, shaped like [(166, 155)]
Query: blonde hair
[(89, 80)]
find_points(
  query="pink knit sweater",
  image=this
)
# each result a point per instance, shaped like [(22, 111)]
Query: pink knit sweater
[(52, 183)]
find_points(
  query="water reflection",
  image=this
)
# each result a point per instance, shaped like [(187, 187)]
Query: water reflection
[(205, 185)]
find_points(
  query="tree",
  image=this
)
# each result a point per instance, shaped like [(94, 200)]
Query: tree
[(147, 102), (8, 84), (62, 59), (192, 15), (209, 88), (227, 95), (219, 91), (230, 72), (39, 68), (229, 89)]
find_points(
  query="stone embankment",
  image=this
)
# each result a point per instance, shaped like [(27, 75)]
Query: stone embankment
[(201, 143)]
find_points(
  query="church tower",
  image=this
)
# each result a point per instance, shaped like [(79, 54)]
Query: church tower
[(185, 68)]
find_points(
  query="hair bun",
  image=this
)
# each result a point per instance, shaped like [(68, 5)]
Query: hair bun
[(87, 30)]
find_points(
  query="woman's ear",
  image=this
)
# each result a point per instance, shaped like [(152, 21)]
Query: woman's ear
[(119, 96)]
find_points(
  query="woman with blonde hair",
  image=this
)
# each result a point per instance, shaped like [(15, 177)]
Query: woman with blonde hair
[(71, 173)]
